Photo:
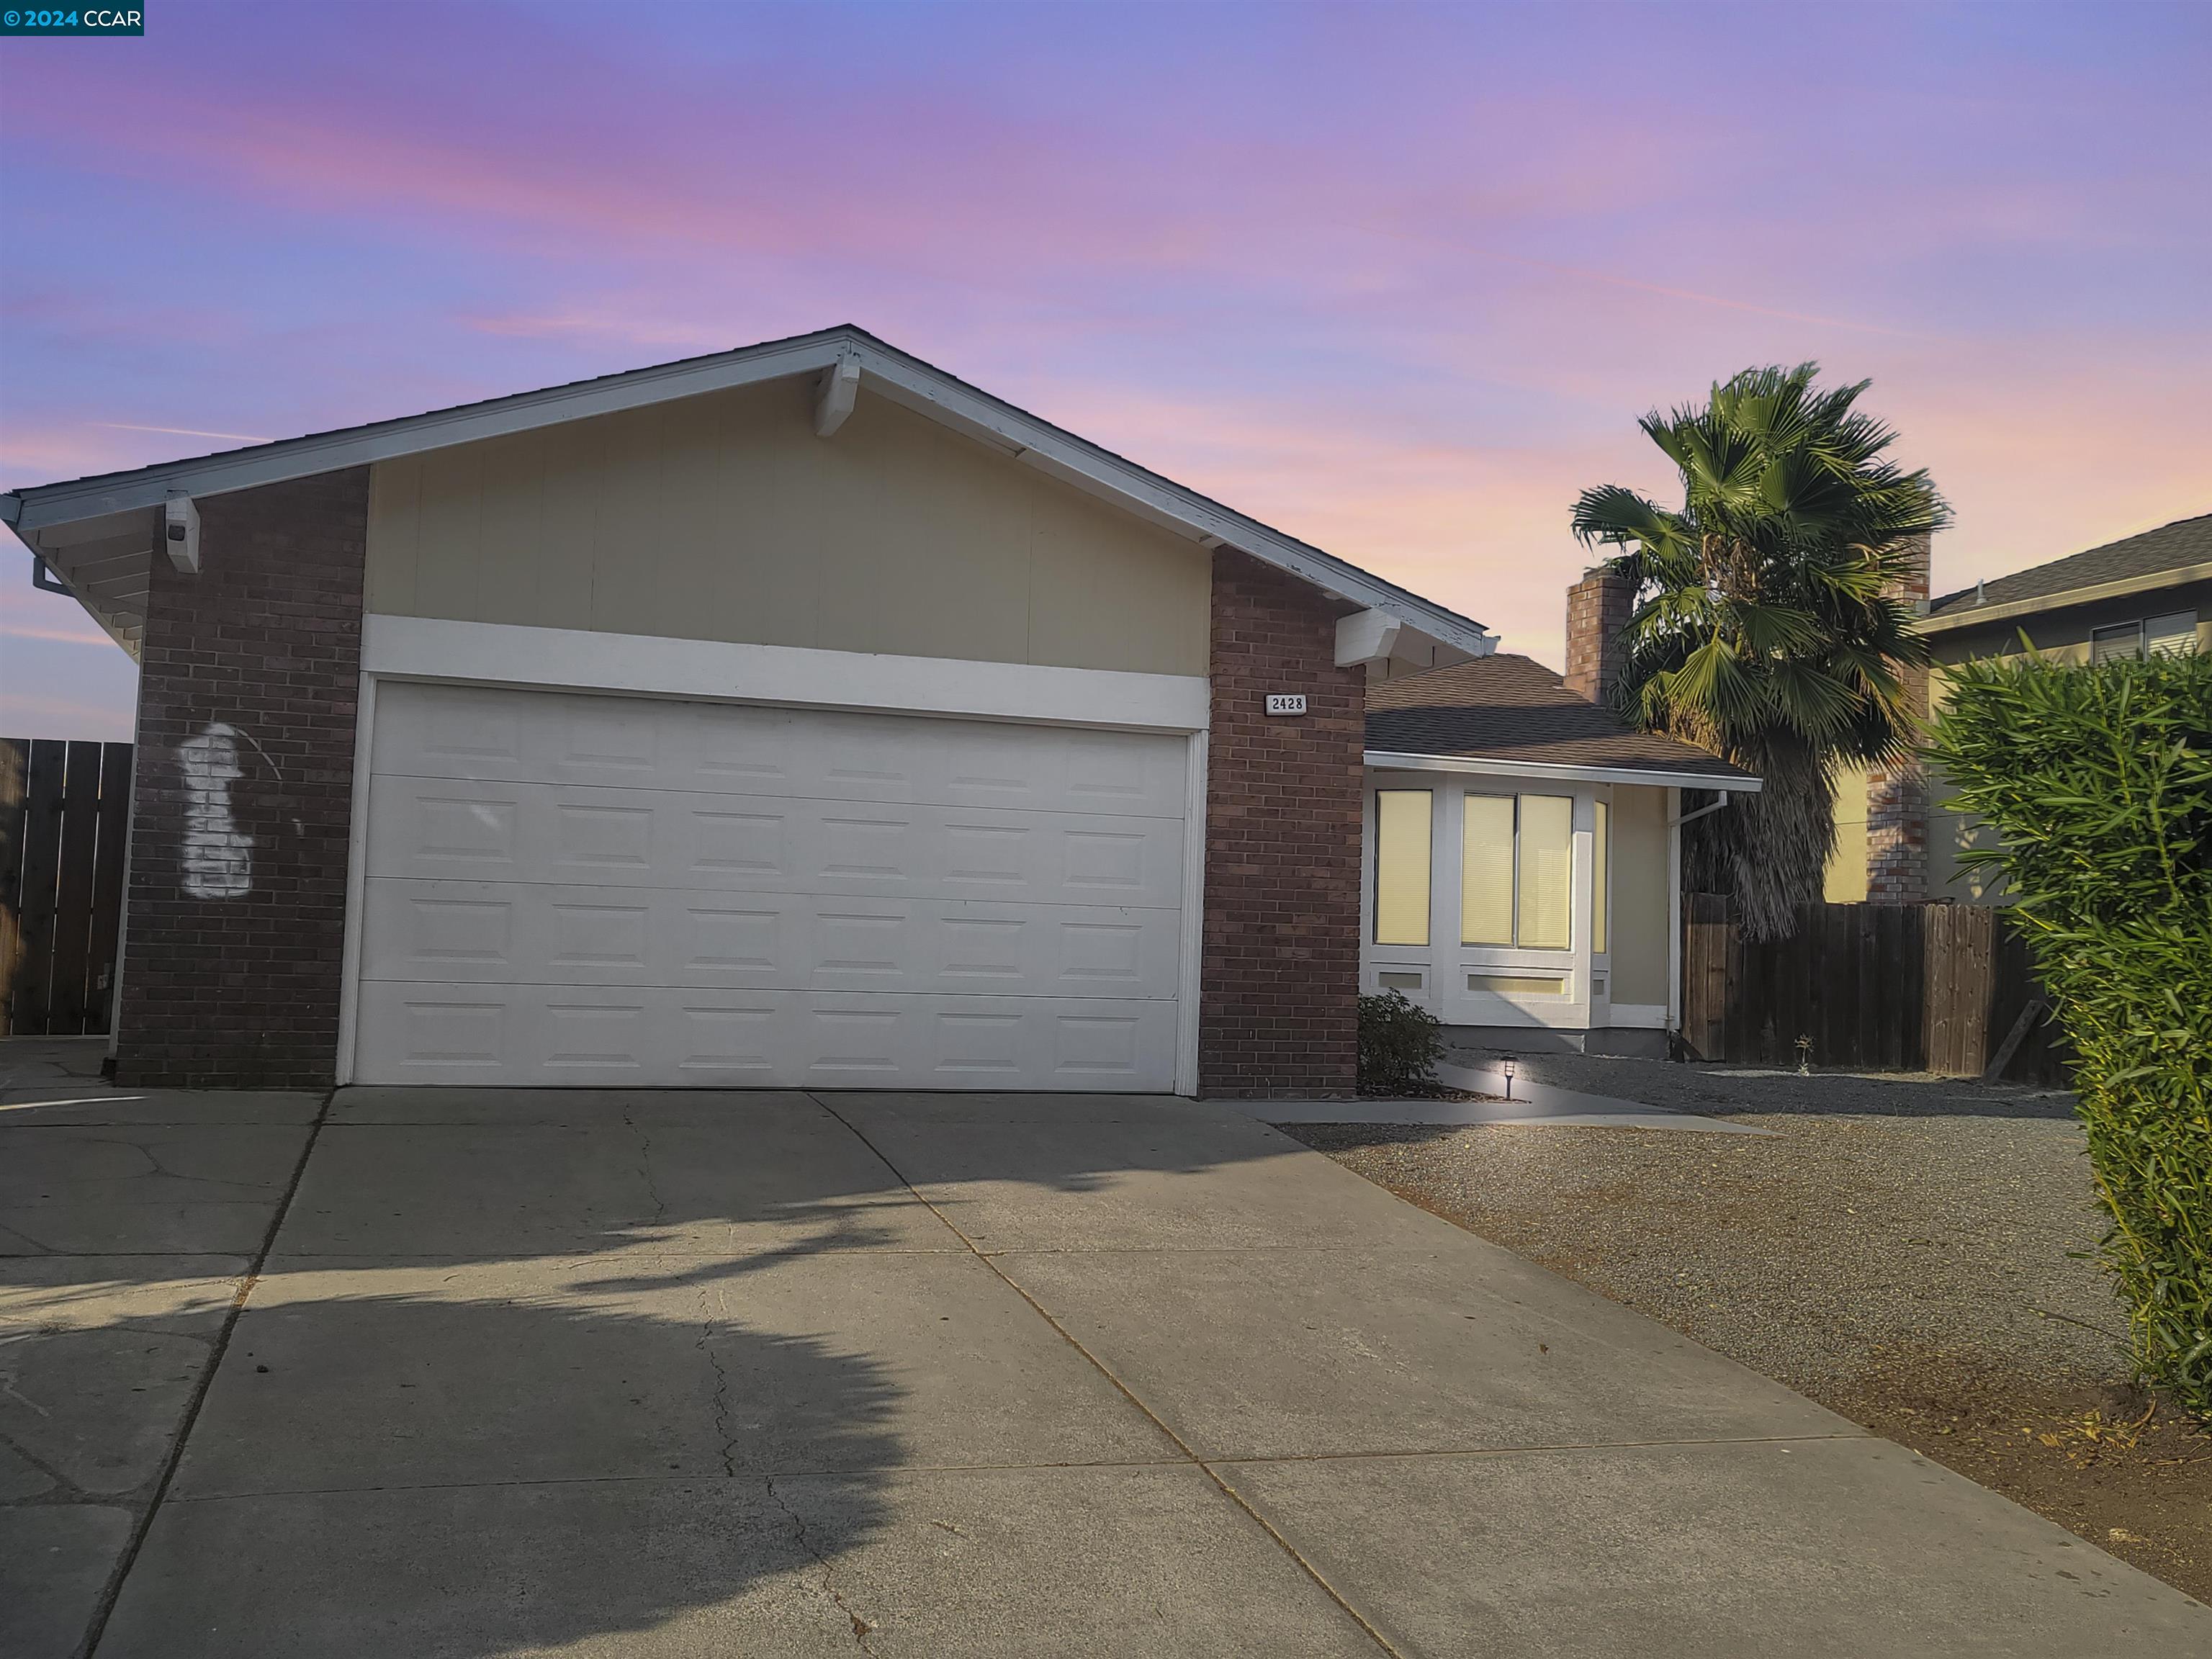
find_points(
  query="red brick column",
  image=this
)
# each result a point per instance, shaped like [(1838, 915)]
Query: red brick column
[(1279, 1009), (248, 686), (1897, 796), (1598, 608)]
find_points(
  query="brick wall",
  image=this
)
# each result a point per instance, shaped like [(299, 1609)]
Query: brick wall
[(1897, 796), (247, 693), (1279, 1009), (1598, 608)]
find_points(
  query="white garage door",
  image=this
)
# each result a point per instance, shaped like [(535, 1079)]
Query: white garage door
[(573, 889)]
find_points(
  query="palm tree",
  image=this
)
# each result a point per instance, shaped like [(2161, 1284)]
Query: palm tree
[(1768, 629)]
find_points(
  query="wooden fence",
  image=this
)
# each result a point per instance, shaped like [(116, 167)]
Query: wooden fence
[(1935, 988), (64, 811)]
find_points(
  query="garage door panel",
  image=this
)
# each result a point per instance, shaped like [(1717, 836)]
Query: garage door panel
[(493, 734), (438, 1033), (537, 832), (487, 932), (578, 889)]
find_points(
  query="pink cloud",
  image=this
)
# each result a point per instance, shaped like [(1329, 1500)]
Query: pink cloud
[(57, 635)]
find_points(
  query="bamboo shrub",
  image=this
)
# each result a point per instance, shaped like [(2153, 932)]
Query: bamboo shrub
[(2098, 781)]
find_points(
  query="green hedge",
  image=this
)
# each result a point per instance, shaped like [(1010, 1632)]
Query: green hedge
[(2098, 783)]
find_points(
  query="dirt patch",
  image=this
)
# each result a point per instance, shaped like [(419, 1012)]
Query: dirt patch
[(1919, 1273)]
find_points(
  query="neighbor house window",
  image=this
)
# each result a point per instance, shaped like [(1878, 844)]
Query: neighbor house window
[(1516, 871), (2121, 640), (1401, 867), (2168, 636)]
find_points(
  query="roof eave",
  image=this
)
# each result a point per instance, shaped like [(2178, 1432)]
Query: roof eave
[(1969, 615), (885, 370), (1566, 772)]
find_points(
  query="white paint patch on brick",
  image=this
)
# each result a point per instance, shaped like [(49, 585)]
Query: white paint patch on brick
[(218, 854)]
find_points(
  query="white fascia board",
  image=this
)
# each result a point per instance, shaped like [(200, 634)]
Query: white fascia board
[(572, 660), (1384, 761), (300, 457)]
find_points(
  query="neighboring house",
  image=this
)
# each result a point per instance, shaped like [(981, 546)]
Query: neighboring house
[(1523, 864), (1896, 842), (2148, 592), (798, 715)]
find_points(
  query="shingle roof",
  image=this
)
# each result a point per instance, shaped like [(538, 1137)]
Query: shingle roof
[(2170, 547), (1511, 708)]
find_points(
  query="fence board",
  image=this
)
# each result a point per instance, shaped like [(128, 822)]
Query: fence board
[(64, 816), (73, 890), (15, 782), (107, 939), (42, 853), (1939, 977), (1896, 988)]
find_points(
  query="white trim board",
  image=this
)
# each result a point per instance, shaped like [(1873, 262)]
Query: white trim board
[(1191, 990), (1386, 761), (640, 664), (364, 739)]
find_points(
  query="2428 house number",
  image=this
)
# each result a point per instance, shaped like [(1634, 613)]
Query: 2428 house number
[(1286, 702)]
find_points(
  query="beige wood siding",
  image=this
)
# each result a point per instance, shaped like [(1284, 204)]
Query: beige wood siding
[(725, 518), (1639, 896)]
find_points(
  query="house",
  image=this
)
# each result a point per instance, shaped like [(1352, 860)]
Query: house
[(2145, 593), (797, 716), (1523, 852)]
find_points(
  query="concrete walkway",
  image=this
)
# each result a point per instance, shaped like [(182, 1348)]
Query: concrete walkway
[(680, 1375), (1516, 1100)]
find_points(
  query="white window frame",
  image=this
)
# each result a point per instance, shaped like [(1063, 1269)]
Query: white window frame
[(2180, 640), (1446, 961)]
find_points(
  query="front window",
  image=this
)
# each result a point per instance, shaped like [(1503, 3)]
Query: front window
[(1516, 871), (1401, 867)]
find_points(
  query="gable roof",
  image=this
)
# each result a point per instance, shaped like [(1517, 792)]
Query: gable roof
[(1515, 711), (2183, 547), (109, 515)]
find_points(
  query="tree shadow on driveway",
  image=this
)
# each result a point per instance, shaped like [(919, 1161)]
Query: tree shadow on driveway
[(550, 1371)]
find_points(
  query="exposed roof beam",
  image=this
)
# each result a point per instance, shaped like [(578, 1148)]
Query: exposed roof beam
[(840, 391), (1366, 636), (181, 532)]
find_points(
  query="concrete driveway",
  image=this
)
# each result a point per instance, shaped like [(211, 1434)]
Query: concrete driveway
[(596, 1373)]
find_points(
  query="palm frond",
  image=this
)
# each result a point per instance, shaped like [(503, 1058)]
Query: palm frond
[(1768, 627)]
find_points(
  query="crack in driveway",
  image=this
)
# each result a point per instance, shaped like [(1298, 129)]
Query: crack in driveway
[(862, 1627)]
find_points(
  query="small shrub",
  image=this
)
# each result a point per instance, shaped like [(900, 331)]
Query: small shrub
[(2098, 783), (1399, 1046)]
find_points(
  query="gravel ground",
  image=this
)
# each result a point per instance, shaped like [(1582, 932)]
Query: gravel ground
[(1907, 1250)]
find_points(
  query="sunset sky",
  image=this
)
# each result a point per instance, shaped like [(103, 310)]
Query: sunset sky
[(1396, 279)]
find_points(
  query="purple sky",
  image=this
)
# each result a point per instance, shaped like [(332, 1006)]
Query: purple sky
[(1396, 279)]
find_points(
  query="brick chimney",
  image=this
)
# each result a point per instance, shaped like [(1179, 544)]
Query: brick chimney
[(1897, 796), (1598, 608)]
